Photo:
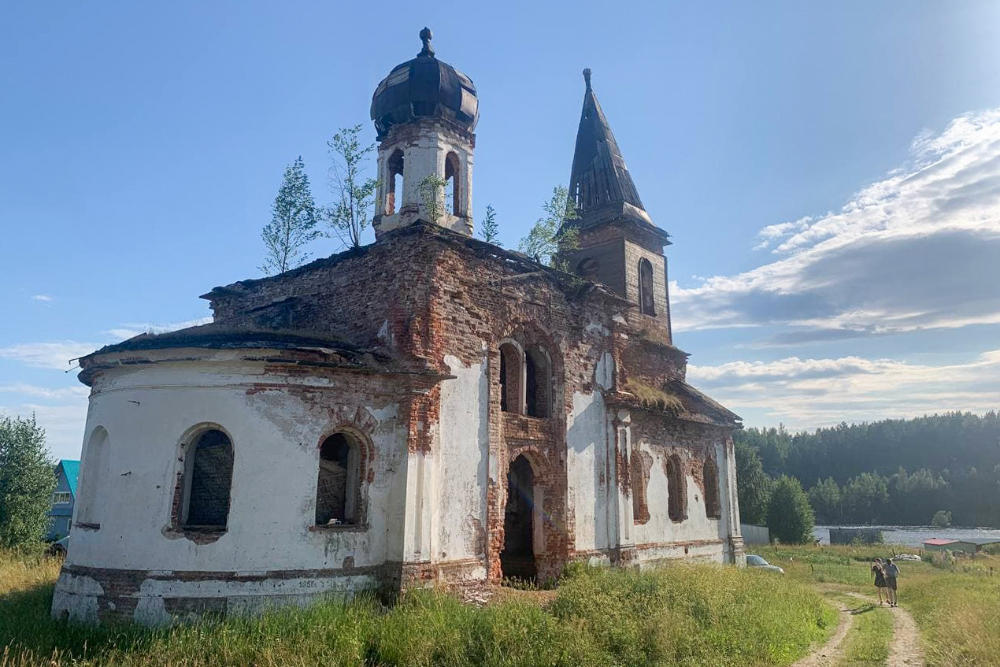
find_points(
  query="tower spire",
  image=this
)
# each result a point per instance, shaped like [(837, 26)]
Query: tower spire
[(600, 183)]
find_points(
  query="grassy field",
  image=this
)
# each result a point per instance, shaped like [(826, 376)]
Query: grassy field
[(956, 604), (689, 615)]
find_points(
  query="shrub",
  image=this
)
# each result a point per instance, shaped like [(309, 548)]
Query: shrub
[(26, 483), (789, 515)]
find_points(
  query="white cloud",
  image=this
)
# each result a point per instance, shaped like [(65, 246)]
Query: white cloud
[(808, 393), (55, 355), (45, 392), (42, 297), (916, 250), (63, 424), (131, 330)]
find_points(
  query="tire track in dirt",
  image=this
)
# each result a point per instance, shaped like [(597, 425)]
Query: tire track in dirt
[(832, 651), (905, 649)]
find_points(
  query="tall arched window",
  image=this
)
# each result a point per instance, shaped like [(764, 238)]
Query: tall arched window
[(394, 184), (95, 474), (713, 508), (538, 383), (646, 287), (452, 167), (640, 505), (510, 378), (338, 488), (208, 471), (676, 489)]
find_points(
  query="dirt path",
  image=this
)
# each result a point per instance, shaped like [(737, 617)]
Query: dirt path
[(905, 649), (830, 653)]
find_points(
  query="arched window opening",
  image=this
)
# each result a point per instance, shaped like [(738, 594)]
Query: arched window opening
[(588, 268), (517, 559), (338, 488), (510, 378), (640, 480), (395, 181), (676, 491), (95, 473), (452, 184), (646, 287), (209, 473), (713, 508), (537, 383)]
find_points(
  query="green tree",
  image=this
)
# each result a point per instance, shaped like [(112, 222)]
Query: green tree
[(27, 480), (430, 190), (825, 500), (789, 515), (351, 214), (549, 237), (293, 222), (490, 229), (942, 519), (753, 485)]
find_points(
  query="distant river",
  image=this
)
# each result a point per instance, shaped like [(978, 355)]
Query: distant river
[(913, 536)]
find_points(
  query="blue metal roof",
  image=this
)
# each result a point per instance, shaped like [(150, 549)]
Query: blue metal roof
[(72, 471)]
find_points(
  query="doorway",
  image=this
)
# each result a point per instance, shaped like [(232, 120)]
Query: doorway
[(517, 560)]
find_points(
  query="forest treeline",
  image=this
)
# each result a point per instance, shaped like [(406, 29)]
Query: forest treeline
[(896, 471)]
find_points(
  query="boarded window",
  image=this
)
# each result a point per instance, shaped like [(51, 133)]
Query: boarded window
[(510, 378), (713, 508), (537, 378), (394, 190), (646, 287), (676, 490), (210, 470), (338, 487)]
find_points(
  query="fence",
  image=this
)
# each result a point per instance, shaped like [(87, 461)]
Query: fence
[(755, 534)]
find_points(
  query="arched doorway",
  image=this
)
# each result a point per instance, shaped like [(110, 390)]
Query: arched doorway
[(518, 556)]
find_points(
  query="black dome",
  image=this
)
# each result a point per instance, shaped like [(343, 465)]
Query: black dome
[(425, 87)]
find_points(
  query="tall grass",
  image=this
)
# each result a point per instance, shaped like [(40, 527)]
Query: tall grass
[(690, 615)]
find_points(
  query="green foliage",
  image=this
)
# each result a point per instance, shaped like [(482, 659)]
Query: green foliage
[(826, 501), (753, 485), (293, 222), (684, 614), (490, 228), (26, 483), (789, 515), (350, 215), (549, 236), (942, 519), (868, 641), (954, 459), (430, 190)]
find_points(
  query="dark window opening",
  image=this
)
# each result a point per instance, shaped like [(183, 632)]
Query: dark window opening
[(452, 182), (395, 184), (518, 556), (338, 485), (510, 378), (588, 268), (646, 287), (713, 508), (676, 500), (537, 383), (211, 481)]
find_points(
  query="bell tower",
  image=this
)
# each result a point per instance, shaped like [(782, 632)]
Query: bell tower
[(619, 244), (425, 113)]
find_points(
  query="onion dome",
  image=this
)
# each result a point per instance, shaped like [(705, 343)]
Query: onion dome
[(425, 87)]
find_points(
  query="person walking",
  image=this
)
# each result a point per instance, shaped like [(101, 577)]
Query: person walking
[(880, 583), (891, 573)]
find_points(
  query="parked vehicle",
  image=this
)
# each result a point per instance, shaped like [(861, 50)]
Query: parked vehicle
[(757, 561)]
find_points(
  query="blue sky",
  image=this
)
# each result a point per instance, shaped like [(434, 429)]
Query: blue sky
[(830, 174)]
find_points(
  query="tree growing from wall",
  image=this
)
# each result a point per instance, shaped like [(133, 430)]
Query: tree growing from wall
[(789, 517), (549, 236), (430, 190), (490, 228), (350, 215), (293, 222), (27, 481)]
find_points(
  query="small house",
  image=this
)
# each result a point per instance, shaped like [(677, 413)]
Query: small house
[(63, 499), (973, 545)]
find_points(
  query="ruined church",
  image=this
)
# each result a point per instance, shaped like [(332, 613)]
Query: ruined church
[(429, 408)]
